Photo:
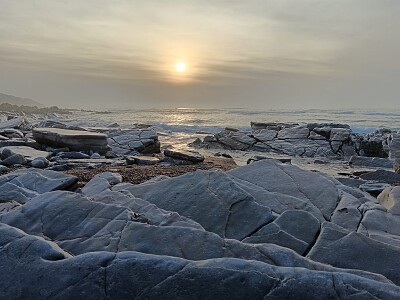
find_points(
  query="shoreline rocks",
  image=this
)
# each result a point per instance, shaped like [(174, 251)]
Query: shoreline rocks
[(305, 140)]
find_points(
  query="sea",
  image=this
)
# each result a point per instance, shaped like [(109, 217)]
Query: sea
[(183, 125)]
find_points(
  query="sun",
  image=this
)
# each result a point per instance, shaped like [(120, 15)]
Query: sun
[(180, 67)]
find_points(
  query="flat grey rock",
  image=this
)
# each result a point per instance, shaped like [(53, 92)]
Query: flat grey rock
[(40, 163), (14, 159), (73, 139)]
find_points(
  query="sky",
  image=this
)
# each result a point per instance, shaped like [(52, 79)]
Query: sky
[(259, 54)]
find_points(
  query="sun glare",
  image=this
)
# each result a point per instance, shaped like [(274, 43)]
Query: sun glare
[(180, 67)]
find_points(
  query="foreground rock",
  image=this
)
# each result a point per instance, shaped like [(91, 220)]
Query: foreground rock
[(25, 184), (73, 139), (269, 228), (99, 275)]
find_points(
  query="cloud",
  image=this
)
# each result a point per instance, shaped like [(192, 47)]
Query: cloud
[(230, 44)]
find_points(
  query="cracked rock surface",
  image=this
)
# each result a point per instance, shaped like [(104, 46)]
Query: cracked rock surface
[(265, 230)]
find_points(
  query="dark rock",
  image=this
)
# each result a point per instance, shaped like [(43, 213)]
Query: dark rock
[(3, 169), (27, 152), (11, 133), (73, 155), (16, 159), (192, 156), (40, 163), (375, 162), (373, 188), (382, 176)]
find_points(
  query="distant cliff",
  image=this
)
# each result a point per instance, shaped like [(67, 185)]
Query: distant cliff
[(19, 101)]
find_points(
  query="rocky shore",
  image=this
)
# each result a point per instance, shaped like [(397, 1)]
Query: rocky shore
[(104, 212)]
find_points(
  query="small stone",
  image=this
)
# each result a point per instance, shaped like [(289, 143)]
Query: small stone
[(95, 156), (3, 169), (40, 163), (184, 155)]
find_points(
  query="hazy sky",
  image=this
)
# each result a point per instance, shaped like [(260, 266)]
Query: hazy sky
[(255, 53)]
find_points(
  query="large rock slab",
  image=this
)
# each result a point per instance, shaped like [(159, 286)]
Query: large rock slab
[(25, 184), (283, 187), (73, 139), (98, 275), (210, 198)]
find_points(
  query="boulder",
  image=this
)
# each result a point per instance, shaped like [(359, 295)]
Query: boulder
[(15, 159), (189, 155), (73, 139), (390, 199), (40, 163)]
